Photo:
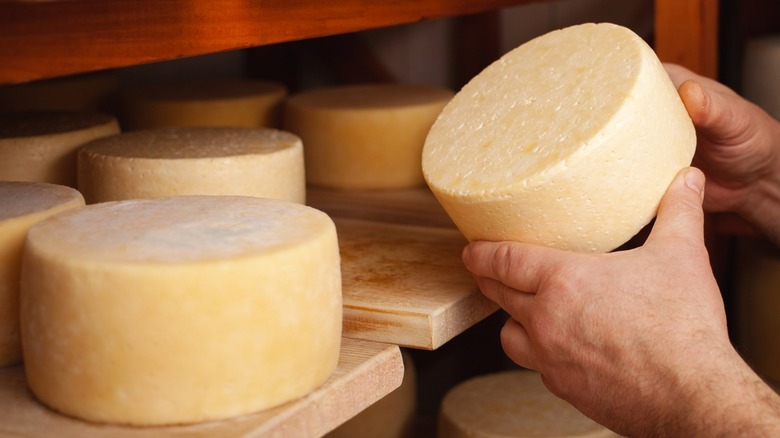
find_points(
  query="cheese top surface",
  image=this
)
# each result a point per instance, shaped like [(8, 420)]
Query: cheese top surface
[(180, 143), (23, 198), (497, 134), (33, 124), (207, 89), (181, 229), (369, 96)]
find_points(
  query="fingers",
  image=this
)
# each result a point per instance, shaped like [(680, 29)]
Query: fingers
[(520, 266), (517, 304), (680, 214), (517, 344)]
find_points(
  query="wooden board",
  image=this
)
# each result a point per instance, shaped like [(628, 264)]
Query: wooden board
[(366, 372), (406, 284)]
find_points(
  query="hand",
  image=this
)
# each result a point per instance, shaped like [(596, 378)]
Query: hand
[(637, 340), (738, 149)]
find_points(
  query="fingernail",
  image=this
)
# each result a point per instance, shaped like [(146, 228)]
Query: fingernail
[(695, 180)]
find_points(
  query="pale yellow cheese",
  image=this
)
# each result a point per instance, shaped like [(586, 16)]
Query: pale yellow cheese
[(83, 92), (193, 161), (204, 102), (512, 404), (364, 136), (22, 205), (42, 147), (569, 141), (180, 309)]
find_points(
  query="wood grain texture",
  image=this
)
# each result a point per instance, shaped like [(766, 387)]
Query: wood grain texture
[(366, 372), (686, 33), (406, 284), (40, 39)]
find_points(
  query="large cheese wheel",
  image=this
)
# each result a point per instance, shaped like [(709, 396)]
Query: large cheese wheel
[(512, 404), (42, 147), (760, 73), (22, 205), (180, 309), (569, 141), (204, 102), (193, 161), (364, 136), (83, 92)]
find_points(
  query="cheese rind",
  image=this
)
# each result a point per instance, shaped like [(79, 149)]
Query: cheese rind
[(23, 205), (364, 136), (42, 147), (193, 161), (569, 141), (180, 309)]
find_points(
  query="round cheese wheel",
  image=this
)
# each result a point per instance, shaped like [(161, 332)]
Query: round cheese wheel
[(511, 404), (83, 92), (180, 309), (193, 161), (204, 102), (364, 136), (23, 205), (42, 147), (760, 70), (568, 141)]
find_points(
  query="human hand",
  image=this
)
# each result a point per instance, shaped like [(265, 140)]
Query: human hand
[(637, 340), (738, 149)]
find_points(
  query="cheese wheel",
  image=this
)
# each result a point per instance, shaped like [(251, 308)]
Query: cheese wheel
[(204, 102), (511, 404), (568, 141), (23, 205), (364, 136), (193, 161), (42, 147), (84, 92), (760, 70), (390, 417), (180, 309)]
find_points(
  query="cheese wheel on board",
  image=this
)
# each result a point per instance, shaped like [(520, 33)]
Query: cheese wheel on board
[(568, 141), (390, 417), (760, 73), (83, 92), (364, 136), (204, 102), (23, 204), (193, 161), (180, 309), (42, 147), (512, 404)]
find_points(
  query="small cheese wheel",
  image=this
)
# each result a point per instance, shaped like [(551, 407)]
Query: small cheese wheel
[(193, 161), (23, 205), (42, 147), (568, 141), (511, 404), (180, 309), (760, 70), (204, 102), (83, 92), (364, 136), (390, 417)]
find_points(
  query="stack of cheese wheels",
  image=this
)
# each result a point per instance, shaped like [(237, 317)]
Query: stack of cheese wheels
[(364, 136), (760, 70), (180, 309), (84, 92), (42, 147), (205, 102), (569, 141), (511, 404), (193, 161), (757, 304), (390, 417), (23, 205)]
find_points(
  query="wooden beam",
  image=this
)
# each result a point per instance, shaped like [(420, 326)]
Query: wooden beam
[(686, 33)]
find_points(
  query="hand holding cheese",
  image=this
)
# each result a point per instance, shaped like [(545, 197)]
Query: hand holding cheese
[(637, 340), (568, 141)]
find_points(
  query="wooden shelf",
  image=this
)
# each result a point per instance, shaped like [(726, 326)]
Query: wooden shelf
[(366, 372)]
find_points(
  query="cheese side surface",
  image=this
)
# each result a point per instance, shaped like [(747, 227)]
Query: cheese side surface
[(204, 102), (364, 136), (568, 141), (193, 161), (180, 309), (511, 404), (23, 205), (42, 147)]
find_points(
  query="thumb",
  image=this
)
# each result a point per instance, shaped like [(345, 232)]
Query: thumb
[(680, 214)]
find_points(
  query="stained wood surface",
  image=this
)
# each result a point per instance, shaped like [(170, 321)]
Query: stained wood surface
[(366, 372), (686, 33)]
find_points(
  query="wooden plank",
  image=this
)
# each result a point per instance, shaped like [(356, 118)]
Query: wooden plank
[(366, 372), (54, 38), (686, 33), (406, 284)]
